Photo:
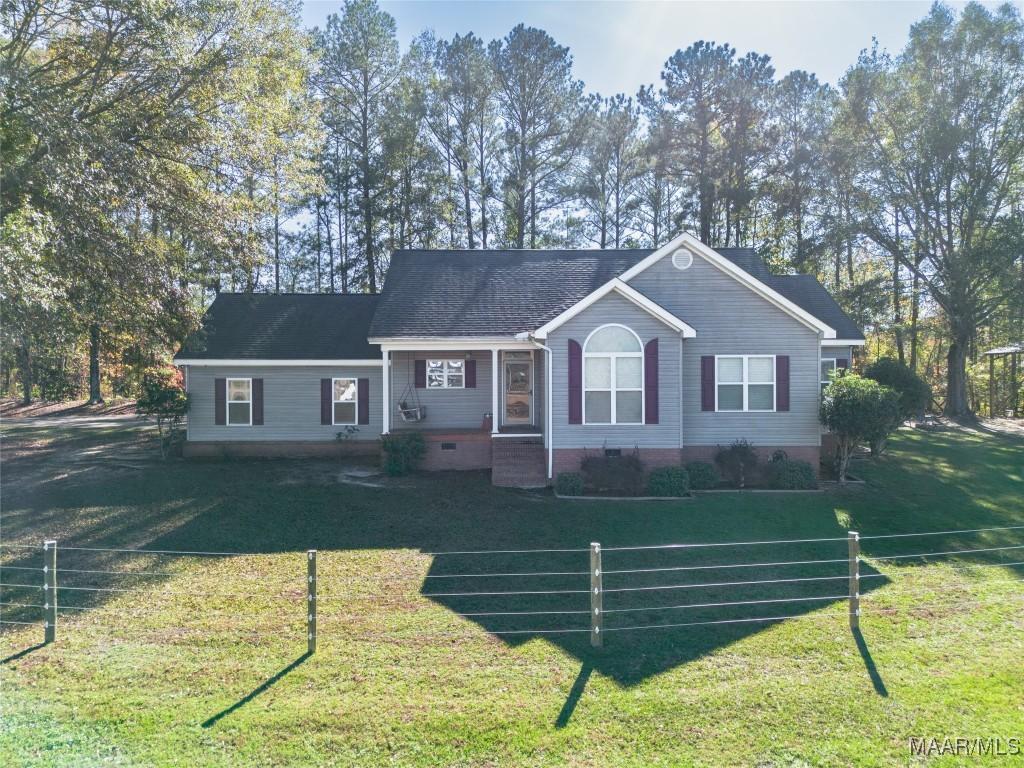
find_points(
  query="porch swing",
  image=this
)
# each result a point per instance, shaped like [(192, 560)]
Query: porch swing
[(414, 411)]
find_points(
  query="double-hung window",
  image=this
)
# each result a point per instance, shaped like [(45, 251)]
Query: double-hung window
[(239, 402), (346, 399), (828, 367), (745, 383), (613, 377), (446, 374)]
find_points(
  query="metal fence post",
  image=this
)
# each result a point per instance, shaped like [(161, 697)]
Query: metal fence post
[(854, 542), (596, 596), (311, 601), (50, 591)]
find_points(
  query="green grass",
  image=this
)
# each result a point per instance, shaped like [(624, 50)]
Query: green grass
[(150, 678)]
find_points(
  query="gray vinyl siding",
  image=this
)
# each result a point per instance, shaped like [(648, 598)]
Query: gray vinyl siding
[(291, 402), (446, 408), (615, 309), (839, 353), (730, 319)]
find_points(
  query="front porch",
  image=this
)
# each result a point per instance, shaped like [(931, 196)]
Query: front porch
[(476, 408)]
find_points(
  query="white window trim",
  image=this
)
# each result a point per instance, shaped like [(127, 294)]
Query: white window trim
[(355, 402), (835, 363), (746, 383), (613, 389), (229, 401), (446, 361)]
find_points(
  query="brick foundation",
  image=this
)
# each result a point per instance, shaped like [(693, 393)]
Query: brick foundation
[(278, 449), (472, 450)]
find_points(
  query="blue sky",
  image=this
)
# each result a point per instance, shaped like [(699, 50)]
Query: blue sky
[(619, 45)]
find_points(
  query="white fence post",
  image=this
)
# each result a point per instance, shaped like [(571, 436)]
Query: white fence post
[(596, 596), (854, 542), (50, 591), (311, 601)]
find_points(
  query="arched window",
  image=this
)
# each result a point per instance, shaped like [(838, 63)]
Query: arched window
[(613, 377)]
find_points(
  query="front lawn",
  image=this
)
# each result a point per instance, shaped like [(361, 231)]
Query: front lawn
[(201, 662)]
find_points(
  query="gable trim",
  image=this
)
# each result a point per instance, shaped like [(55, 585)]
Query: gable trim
[(247, 362), (843, 342), (627, 292), (740, 275)]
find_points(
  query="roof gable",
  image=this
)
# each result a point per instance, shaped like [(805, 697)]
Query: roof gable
[(725, 264)]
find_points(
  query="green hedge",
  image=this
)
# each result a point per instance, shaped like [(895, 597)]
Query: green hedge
[(668, 481)]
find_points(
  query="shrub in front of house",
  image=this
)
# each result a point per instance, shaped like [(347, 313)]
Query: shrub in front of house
[(703, 476), (402, 452), (791, 475), (914, 393), (569, 484), (614, 474), (737, 462), (857, 411), (668, 481)]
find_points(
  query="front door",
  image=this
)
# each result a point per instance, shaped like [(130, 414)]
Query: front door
[(518, 388)]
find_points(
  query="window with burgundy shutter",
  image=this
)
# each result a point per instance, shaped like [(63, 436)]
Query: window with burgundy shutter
[(257, 402), (651, 382), (575, 382), (363, 391), (220, 400), (707, 383), (782, 382)]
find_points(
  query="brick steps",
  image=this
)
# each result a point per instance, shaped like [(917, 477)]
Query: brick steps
[(518, 462)]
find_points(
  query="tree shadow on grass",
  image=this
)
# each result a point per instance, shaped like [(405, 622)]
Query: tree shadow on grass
[(257, 506)]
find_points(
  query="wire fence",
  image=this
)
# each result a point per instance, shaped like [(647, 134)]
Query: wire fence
[(569, 594)]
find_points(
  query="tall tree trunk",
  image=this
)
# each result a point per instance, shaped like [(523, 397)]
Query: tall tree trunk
[(95, 396), (25, 366), (277, 250), (330, 243), (533, 210), (319, 250), (897, 316), (467, 204), (956, 376)]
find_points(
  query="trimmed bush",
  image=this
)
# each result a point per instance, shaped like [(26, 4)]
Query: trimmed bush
[(791, 475), (622, 475), (403, 452), (914, 392), (737, 461), (857, 411), (668, 481), (569, 484), (703, 476)]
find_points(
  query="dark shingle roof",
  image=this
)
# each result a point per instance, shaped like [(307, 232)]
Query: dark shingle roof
[(261, 326), (501, 293), (489, 293), (807, 293)]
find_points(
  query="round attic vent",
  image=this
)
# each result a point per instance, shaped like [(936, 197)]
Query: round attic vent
[(682, 258)]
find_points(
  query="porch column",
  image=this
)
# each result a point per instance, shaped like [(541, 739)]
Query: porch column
[(495, 385), (386, 392)]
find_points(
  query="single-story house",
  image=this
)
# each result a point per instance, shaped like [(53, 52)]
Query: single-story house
[(521, 361)]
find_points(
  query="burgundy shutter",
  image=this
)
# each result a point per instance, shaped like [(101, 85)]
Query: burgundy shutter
[(257, 402), (420, 374), (782, 383), (471, 374), (220, 402), (651, 382), (363, 392), (842, 364), (575, 382), (707, 382), (326, 401)]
